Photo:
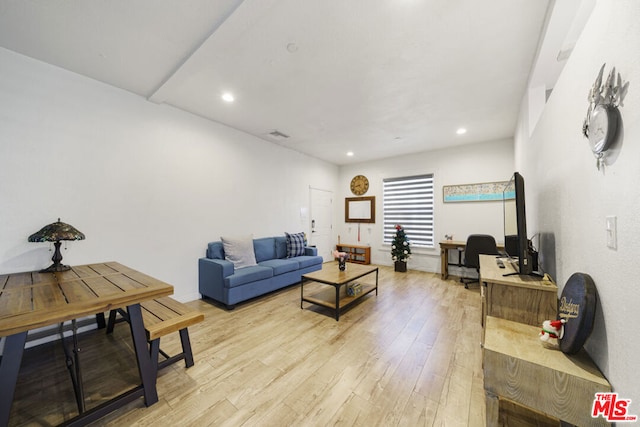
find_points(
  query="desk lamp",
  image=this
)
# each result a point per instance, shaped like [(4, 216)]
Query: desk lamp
[(56, 232)]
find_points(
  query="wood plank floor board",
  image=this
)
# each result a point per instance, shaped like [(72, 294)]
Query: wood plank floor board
[(401, 385), (409, 356), (419, 411)]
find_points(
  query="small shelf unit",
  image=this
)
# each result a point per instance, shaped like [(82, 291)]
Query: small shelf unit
[(357, 253)]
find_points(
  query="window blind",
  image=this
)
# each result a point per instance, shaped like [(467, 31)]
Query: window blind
[(408, 201)]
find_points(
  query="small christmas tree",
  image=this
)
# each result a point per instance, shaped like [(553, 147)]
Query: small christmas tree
[(400, 247)]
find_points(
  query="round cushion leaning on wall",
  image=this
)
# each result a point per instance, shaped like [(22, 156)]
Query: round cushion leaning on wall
[(578, 307)]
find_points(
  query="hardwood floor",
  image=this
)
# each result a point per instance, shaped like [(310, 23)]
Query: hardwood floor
[(410, 356)]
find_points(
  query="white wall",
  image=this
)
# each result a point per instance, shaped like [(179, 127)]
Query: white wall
[(568, 199), (468, 164), (147, 184)]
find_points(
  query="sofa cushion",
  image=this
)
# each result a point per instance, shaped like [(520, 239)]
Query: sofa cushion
[(239, 250), (215, 250), (248, 274), (295, 244), (307, 261), (281, 246), (265, 248), (281, 266)]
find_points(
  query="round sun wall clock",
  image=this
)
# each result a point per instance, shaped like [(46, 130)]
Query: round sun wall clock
[(359, 185), (603, 120), (603, 125)]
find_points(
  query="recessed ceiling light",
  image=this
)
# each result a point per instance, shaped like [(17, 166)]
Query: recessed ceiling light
[(461, 131), (227, 97), (350, 153)]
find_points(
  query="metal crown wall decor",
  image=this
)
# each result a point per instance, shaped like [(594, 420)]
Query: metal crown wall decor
[(600, 127)]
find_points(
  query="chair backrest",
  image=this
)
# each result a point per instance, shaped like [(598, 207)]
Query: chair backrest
[(479, 244)]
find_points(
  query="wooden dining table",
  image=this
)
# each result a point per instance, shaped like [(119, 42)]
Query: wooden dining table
[(32, 300)]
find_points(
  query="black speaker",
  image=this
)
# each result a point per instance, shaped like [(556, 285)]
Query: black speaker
[(511, 245)]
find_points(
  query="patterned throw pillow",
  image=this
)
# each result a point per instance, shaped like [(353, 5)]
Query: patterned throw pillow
[(295, 244)]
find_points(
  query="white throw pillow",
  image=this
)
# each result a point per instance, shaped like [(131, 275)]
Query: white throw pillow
[(239, 250)]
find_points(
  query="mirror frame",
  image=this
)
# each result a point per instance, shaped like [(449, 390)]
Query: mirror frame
[(354, 206)]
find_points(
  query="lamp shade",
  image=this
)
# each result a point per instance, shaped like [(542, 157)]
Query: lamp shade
[(55, 232)]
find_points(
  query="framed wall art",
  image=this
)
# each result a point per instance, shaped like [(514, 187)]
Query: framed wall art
[(482, 192)]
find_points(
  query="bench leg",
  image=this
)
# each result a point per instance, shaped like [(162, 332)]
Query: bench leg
[(154, 346), (186, 347), (154, 350), (112, 318), (186, 354)]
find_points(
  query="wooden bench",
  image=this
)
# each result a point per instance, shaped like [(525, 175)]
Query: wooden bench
[(163, 316)]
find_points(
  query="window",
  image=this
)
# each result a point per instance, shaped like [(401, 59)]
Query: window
[(408, 201)]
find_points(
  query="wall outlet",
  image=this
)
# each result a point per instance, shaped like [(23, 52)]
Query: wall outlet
[(612, 232)]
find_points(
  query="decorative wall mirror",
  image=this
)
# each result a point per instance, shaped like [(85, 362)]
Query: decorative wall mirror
[(360, 209)]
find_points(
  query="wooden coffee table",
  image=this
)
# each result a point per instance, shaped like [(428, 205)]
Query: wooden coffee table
[(331, 275)]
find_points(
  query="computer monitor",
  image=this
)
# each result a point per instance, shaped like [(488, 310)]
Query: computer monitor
[(515, 224)]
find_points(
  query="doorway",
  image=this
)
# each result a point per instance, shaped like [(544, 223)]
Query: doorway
[(321, 222)]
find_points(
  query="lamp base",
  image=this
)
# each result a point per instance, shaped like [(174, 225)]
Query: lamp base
[(54, 268), (57, 257)]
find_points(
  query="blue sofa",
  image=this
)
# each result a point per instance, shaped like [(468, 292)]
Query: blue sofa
[(220, 281)]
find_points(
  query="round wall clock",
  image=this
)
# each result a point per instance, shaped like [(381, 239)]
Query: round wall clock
[(603, 121), (603, 126), (359, 185)]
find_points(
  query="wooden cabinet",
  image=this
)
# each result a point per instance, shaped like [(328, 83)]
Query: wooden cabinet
[(357, 254), (523, 380), (520, 373), (525, 299)]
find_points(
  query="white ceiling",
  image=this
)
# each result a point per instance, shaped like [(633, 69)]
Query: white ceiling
[(376, 77)]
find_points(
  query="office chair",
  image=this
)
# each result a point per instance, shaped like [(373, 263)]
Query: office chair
[(477, 244)]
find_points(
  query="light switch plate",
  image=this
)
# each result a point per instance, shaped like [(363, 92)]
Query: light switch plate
[(612, 232)]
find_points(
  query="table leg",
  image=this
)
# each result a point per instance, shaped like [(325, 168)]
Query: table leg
[(376, 281), (444, 261), (337, 303), (9, 369), (73, 364), (301, 291), (145, 367)]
